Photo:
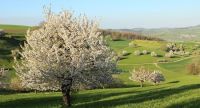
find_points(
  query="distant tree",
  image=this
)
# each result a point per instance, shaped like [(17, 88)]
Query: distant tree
[(194, 67), (137, 53), (156, 77), (141, 75), (65, 53), (145, 52), (132, 44), (125, 53), (154, 54)]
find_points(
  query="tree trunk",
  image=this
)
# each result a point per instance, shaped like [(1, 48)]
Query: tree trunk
[(141, 84), (66, 89)]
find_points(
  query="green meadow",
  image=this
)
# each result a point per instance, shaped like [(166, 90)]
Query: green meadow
[(179, 90)]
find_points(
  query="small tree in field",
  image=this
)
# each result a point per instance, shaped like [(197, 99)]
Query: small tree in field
[(156, 77), (65, 53), (141, 75)]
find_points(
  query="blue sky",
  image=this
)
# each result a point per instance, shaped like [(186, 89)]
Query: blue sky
[(110, 13)]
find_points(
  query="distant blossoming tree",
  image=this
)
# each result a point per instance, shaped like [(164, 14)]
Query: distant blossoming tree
[(156, 77), (141, 75), (65, 53)]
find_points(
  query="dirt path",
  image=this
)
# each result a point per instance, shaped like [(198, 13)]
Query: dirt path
[(156, 64)]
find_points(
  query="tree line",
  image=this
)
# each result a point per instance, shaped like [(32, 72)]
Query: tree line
[(117, 35)]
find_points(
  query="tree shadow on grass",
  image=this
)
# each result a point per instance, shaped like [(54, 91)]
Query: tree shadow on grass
[(102, 100), (56, 101), (12, 41), (195, 103), (173, 82), (90, 97), (4, 51), (44, 102), (139, 98)]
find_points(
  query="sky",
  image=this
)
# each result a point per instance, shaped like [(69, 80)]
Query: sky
[(115, 14)]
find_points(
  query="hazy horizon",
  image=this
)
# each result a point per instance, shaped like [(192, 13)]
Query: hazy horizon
[(111, 14)]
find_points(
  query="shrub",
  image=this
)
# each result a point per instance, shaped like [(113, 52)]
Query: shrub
[(125, 53), (156, 77), (153, 54), (131, 44), (145, 52), (137, 53)]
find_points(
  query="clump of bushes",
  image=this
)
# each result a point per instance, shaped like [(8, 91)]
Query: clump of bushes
[(132, 44), (173, 47), (170, 54), (153, 54), (138, 52), (142, 75)]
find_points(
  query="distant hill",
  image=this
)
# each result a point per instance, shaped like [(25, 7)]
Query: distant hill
[(14, 29), (170, 34)]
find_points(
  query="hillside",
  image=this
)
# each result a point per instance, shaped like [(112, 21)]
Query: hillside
[(170, 34), (179, 90)]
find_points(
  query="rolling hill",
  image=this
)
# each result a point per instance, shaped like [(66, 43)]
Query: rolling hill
[(179, 90), (170, 34)]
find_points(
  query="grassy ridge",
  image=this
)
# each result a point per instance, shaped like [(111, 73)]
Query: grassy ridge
[(14, 29)]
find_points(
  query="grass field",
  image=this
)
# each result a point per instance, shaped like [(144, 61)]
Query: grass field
[(180, 90)]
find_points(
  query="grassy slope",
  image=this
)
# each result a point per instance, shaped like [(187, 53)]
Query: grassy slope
[(179, 89)]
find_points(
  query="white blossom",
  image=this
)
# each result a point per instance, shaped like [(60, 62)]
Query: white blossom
[(156, 77), (64, 47)]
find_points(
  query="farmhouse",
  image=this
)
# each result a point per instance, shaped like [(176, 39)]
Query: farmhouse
[(2, 33)]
